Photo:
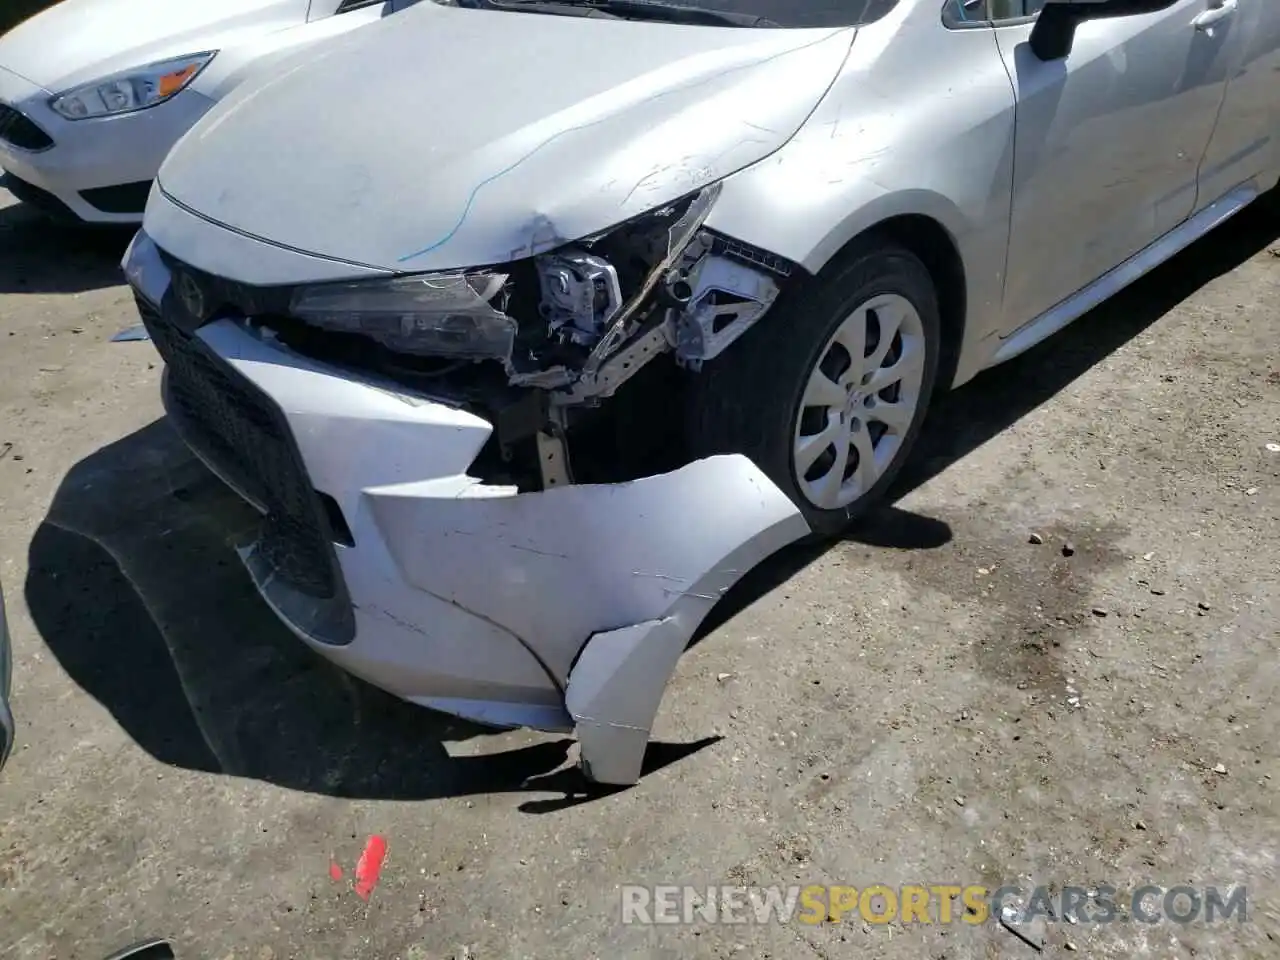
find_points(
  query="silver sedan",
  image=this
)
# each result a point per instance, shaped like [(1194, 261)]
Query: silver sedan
[(424, 298)]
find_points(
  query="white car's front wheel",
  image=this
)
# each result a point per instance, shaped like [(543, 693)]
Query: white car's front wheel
[(828, 394)]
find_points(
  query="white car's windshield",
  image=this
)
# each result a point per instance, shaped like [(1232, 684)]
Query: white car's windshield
[(742, 13)]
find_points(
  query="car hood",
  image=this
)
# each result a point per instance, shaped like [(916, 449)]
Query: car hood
[(457, 137), (77, 41)]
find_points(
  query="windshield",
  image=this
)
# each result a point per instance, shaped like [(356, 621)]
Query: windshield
[(782, 13)]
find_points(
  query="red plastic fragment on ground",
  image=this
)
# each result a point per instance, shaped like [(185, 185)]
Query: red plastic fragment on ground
[(335, 871), (370, 866)]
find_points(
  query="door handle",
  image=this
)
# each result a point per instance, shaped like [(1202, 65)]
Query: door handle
[(1205, 21)]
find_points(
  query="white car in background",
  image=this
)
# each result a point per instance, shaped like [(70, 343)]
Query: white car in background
[(93, 93)]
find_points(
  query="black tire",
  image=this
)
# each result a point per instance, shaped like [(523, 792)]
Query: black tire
[(747, 400)]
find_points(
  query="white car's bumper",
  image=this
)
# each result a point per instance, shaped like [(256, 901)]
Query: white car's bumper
[(97, 170), (557, 609)]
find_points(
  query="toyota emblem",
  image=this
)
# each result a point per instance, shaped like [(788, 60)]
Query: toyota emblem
[(191, 295)]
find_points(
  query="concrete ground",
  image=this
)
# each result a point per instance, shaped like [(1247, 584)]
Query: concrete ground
[(936, 700)]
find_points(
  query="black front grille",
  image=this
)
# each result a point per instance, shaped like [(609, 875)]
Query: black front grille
[(123, 198), (21, 132), (245, 437)]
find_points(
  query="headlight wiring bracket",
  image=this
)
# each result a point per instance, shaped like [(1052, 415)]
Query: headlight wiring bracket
[(681, 234)]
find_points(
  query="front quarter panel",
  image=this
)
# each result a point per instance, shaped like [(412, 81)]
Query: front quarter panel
[(919, 122)]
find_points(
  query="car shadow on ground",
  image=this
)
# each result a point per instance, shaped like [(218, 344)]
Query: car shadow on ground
[(41, 256), (962, 421), (133, 585)]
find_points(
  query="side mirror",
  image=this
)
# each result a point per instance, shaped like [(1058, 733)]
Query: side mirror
[(1055, 27)]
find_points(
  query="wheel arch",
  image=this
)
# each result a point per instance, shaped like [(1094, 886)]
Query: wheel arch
[(937, 249), (928, 237), (923, 221)]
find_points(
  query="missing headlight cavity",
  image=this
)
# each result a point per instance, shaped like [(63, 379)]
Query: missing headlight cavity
[(577, 321), (538, 346), (657, 284), (603, 293), (726, 294)]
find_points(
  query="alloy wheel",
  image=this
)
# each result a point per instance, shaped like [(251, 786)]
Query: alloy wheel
[(859, 401)]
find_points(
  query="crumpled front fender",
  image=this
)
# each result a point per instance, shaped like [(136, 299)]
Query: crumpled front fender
[(605, 584)]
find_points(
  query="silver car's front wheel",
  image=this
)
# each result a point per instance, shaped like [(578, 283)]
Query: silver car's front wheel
[(827, 393), (860, 400)]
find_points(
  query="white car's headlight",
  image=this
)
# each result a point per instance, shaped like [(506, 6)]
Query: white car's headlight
[(457, 315), (131, 90)]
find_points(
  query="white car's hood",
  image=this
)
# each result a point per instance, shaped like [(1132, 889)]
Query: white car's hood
[(468, 137), (81, 40)]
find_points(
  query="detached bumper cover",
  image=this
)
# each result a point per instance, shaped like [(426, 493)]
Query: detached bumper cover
[(564, 608)]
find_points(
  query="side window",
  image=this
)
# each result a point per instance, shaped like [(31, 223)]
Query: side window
[(967, 11), (1015, 9), (348, 5), (986, 11)]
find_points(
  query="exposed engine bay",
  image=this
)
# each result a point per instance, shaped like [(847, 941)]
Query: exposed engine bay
[(538, 344)]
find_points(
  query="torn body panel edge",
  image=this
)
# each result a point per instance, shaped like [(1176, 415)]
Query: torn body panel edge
[(617, 684)]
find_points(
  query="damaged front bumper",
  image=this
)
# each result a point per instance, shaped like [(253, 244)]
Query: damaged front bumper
[(558, 609)]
